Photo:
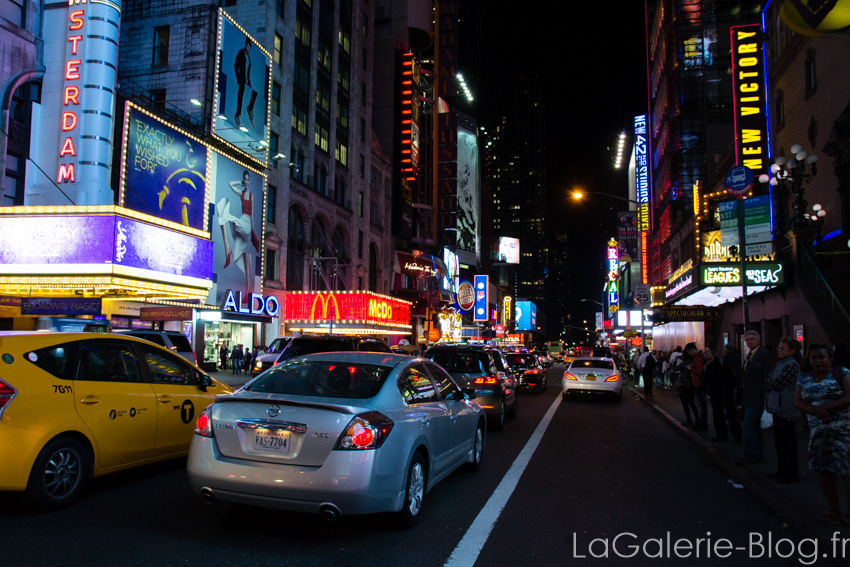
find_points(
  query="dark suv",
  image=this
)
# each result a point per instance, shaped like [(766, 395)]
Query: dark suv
[(486, 371), (285, 348), (528, 370)]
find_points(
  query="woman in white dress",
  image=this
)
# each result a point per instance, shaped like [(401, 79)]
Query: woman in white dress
[(242, 228)]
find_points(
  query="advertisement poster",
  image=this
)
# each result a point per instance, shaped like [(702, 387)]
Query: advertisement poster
[(627, 232), (164, 171), (468, 209), (237, 228), (242, 86)]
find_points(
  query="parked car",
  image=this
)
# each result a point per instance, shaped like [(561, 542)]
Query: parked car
[(79, 405), (485, 370), (529, 373), (175, 341), (592, 375), (338, 433), (284, 348)]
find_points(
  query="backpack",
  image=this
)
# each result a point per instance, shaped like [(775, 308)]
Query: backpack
[(683, 371)]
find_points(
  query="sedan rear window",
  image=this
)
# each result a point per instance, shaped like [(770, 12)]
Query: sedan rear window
[(522, 361), (584, 363), (468, 362), (334, 379)]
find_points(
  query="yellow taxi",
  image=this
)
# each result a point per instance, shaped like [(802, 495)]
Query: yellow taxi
[(79, 405)]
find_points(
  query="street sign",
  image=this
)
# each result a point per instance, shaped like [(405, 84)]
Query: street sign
[(739, 180), (642, 294), (757, 224)]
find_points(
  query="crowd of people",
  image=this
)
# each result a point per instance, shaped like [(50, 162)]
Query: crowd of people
[(769, 387), (241, 359)]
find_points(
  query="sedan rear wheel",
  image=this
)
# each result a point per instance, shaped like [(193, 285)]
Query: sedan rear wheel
[(414, 492), (477, 450), (58, 475), (499, 422)]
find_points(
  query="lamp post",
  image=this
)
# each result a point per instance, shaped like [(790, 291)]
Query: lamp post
[(579, 195), (793, 174)]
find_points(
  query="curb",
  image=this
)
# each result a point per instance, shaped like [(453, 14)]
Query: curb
[(801, 521)]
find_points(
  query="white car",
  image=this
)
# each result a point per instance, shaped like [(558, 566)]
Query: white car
[(592, 375), (338, 433)]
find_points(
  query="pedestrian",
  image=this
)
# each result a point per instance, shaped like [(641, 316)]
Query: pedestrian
[(720, 383), (236, 358), (682, 373), (823, 394), (758, 366), (697, 362), (634, 365), (659, 379), (246, 361), (667, 372), (779, 402), (648, 371), (222, 355)]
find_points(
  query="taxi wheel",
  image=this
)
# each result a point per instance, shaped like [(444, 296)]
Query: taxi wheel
[(414, 492), (58, 475)]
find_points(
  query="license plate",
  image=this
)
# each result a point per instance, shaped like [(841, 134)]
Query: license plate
[(590, 377), (274, 440)]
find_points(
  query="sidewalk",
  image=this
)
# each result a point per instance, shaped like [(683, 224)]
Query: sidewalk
[(800, 505), (228, 377)]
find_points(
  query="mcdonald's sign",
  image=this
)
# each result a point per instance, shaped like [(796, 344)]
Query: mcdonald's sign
[(347, 307)]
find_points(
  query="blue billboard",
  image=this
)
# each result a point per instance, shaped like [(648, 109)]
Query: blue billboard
[(482, 297), (526, 316)]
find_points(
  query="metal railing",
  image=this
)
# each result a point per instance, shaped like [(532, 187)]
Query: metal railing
[(823, 298)]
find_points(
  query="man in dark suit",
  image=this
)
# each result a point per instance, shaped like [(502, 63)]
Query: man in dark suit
[(242, 69), (758, 366)]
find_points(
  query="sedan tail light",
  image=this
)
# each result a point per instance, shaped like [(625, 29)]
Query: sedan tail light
[(204, 424), (485, 380), (7, 392), (613, 378), (569, 376), (365, 431)]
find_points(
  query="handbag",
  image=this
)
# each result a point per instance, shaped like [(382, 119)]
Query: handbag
[(766, 420), (781, 403)]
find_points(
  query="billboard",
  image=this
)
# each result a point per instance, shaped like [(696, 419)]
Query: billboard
[(237, 227), (526, 316), (243, 83), (481, 283), (627, 234), (749, 98), (163, 170), (103, 244), (347, 307), (642, 185), (506, 249), (468, 207)]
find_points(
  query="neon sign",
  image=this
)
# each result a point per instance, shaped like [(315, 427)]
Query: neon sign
[(748, 84), (259, 305), (613, 276), (71, 97), (347, 307), (642, 184)]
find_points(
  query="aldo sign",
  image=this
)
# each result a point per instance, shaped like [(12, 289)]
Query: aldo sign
[(259, 305)]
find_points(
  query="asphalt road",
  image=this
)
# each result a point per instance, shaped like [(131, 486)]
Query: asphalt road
[(601, 470)]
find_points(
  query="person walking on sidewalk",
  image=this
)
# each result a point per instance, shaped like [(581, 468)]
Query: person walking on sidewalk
[(823, 394), (682, 374), (648, 371), (779, 402), (222, 355), (236, 357), (757, 370), (697, 362), (720, 385)]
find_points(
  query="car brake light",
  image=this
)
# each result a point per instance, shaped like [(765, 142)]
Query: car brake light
[(6, 394), (365, 431), (204, 424), (485, 380), (569, 376), (613, 378)]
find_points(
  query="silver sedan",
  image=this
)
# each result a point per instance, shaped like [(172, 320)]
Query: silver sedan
[(592, 375), (338, 433)]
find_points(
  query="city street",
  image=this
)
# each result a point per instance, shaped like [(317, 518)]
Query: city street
[(601, 470)]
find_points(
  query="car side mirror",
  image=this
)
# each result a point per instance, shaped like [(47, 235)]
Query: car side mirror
[(469, 393), (204, 382)]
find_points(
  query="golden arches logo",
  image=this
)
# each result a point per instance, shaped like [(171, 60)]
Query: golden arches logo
[(325, 300)]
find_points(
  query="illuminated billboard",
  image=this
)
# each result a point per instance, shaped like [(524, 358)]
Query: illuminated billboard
[(106, 244), (642, 185), (346, 307), (468, 207), (506, 249), (243, 82), (163, 170), (481, 283), (526, 316), (237, 226), (749, 98)]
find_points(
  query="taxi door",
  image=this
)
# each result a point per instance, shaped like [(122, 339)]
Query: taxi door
[(179, 399), (114, 401)]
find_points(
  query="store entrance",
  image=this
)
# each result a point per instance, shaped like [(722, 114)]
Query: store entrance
[(227, 334)]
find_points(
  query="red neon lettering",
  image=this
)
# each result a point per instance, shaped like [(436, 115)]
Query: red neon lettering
[(72, 71), (76, 18), (66, 173), (71, 94), (69, 121), (74, 39), (68, 148)]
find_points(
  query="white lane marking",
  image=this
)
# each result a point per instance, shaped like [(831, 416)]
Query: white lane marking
[(467, 550)]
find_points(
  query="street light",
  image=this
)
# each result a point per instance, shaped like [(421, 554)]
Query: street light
[(592, 301), (793, 172), (578, 195)]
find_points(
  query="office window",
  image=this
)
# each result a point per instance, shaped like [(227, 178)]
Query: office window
[(324, 56), (279, 7), (278, 50), (362, 129), (302, 77), (363, 94), (343, 77), (341, 153), (811, 75), (342, 113), (270, 269), (365, 59), (323, 96), (362, 166), (359, 243), (780, 108), (271, 204), (360, 204), (13, 10), (274, 144), (276, 98), (344, 41), (13, 181), (365, 23), (158, 99), (160, 45), (321, 137), (303, 32), (299, 120)]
